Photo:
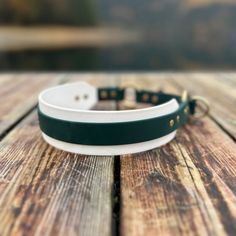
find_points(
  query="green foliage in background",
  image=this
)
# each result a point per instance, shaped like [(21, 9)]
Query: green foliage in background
[(26, 12)]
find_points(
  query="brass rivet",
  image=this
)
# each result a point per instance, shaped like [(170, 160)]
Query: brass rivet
[(155, 99), (172, 122), (186, 110), (145, 97), (103, 94), (86, 96), (178, 118), (77, 98), (113, 94)]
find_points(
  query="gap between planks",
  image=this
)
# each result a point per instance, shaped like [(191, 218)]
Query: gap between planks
[(183, 188), (28, 229), (154, 176)]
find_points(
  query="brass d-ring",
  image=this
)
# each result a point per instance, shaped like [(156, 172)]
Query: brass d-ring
[(204, 106)]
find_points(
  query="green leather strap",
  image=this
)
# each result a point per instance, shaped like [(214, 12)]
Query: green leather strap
[(121, 132)]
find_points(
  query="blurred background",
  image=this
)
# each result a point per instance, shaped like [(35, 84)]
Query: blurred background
[(111, 35)]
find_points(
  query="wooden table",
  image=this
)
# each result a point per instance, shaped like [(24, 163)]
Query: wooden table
[(187, 187)]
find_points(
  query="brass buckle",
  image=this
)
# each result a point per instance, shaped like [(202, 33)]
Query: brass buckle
[(130, 99), (201, 103)]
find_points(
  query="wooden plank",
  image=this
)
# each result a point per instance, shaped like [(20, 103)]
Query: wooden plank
[(219, 89), (45, 191), (15, 38), (18, 95), (184, 188)]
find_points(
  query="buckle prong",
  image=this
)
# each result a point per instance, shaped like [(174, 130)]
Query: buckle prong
[(184, 96)]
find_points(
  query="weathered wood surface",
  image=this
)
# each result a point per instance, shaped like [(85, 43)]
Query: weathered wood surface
[(219, 90), (187, 187), (44, 191), (18, 94)]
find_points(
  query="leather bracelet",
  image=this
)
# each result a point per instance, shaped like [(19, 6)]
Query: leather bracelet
[(68, 123)]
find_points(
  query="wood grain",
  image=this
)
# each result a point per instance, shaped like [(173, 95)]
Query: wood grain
[(219, 89), (187, 187), (184, 188), (45, 191), (18, 95)]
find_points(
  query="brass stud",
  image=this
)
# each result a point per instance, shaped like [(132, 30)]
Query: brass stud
[(172, 122), (178, 118), (145, 97), (113, 94), (186, 110), (155, 99), (76, 98), (86, 96), (104, 94)]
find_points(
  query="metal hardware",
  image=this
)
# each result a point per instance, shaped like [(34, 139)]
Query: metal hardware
[(201, 102), (113, 94), (154, 99), (186, 110), (104, 94), (203, 105), (171, 123), (130, 97), (184, 96), (145, 97), (178, 119)]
